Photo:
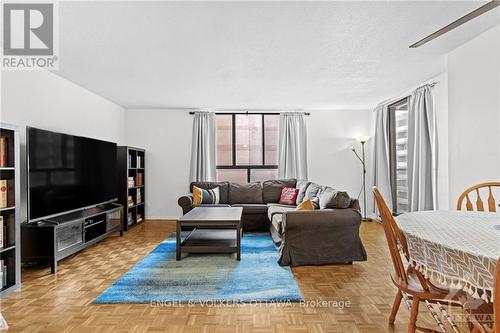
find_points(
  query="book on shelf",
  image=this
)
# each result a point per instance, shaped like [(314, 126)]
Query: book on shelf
[(3, 152), (139, 179), (138, 198), (2, 233), (130, 161), (130, 201), (3, 193), (139, 161)]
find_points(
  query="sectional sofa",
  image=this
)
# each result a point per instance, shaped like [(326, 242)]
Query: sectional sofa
[(329, 235)]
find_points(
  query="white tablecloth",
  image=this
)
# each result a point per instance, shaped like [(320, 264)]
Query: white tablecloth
[(455, 248)]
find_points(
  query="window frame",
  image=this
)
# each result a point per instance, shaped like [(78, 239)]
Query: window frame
[(248, 167), (392, 151)]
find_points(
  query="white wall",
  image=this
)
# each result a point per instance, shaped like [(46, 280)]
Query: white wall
[(440, 93), (474, 112), (330, 161), (166, 136), (44, 100)]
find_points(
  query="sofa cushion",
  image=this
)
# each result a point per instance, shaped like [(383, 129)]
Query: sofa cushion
[(312, 191), (272, 189), (250, 193), (302, 186), (331, 198), (223, 189), (212, 205), (202, 196), (278, 209), (249, 209)]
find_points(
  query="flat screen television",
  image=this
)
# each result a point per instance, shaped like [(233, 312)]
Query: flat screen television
[(68, 172)]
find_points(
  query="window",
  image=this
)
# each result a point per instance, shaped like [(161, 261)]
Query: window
[(398, 145), (247, 146)]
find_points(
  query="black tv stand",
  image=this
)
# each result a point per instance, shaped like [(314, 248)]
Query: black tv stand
[(61, 236)]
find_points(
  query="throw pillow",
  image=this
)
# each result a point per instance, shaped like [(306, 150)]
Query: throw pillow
[(331, 198), (288, 196), (302, 186), (306, 205), (202, 196)]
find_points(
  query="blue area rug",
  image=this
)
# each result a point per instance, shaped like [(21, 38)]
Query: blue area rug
[(207, 277)]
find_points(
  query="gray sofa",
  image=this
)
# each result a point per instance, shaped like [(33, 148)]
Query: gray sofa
[(324, 236)]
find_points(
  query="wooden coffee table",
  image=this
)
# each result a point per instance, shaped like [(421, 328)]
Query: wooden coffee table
[(203, 238)]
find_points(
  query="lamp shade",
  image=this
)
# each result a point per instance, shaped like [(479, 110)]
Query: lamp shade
[(363, 139)]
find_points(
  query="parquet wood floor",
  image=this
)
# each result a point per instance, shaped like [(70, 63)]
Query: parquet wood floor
[(63, 302)]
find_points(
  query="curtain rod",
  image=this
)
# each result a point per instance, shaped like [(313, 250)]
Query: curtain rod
[(249, 113), (405, 95)]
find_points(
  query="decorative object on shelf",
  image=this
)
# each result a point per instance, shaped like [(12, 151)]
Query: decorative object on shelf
[(3, 193), (131, 182), (362, 140)]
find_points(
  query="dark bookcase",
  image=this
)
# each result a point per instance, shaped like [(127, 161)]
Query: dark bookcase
[(10, 255), (132, 185)]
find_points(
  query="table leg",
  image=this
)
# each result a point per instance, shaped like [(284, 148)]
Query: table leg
[(238, 241), (178, 241)]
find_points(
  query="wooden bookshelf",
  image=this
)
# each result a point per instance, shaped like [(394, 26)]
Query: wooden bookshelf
[(10, 251), (132, 184)]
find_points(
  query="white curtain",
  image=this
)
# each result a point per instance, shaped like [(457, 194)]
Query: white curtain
[(292, 146), (422, 150), (381, 162), (203, 147)]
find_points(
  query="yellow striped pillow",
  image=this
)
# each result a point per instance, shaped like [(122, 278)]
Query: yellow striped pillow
[(306, 205), (202, 196)]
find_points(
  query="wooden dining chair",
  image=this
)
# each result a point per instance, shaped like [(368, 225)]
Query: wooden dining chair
[(479, 201), (411, 284)]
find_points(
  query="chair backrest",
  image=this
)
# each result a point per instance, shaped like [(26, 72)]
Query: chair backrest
[(479, 201), (392, 234)]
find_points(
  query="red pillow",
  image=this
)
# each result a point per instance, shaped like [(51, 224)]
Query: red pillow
[(288, 196)]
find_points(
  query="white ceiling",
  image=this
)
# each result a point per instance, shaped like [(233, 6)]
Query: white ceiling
[(266, 55)]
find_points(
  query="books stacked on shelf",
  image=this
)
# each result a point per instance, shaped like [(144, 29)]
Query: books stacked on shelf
[(3, 152), (1, 232), (3, 193), (3, 270), (130, 201), (139, 218), (130, 219), (139, 162), (131, 182), (138, 199), (139, 179)]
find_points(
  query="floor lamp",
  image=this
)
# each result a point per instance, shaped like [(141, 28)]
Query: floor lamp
[(361, 158)]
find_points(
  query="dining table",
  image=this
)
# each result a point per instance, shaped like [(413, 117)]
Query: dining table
[(457, 249)]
